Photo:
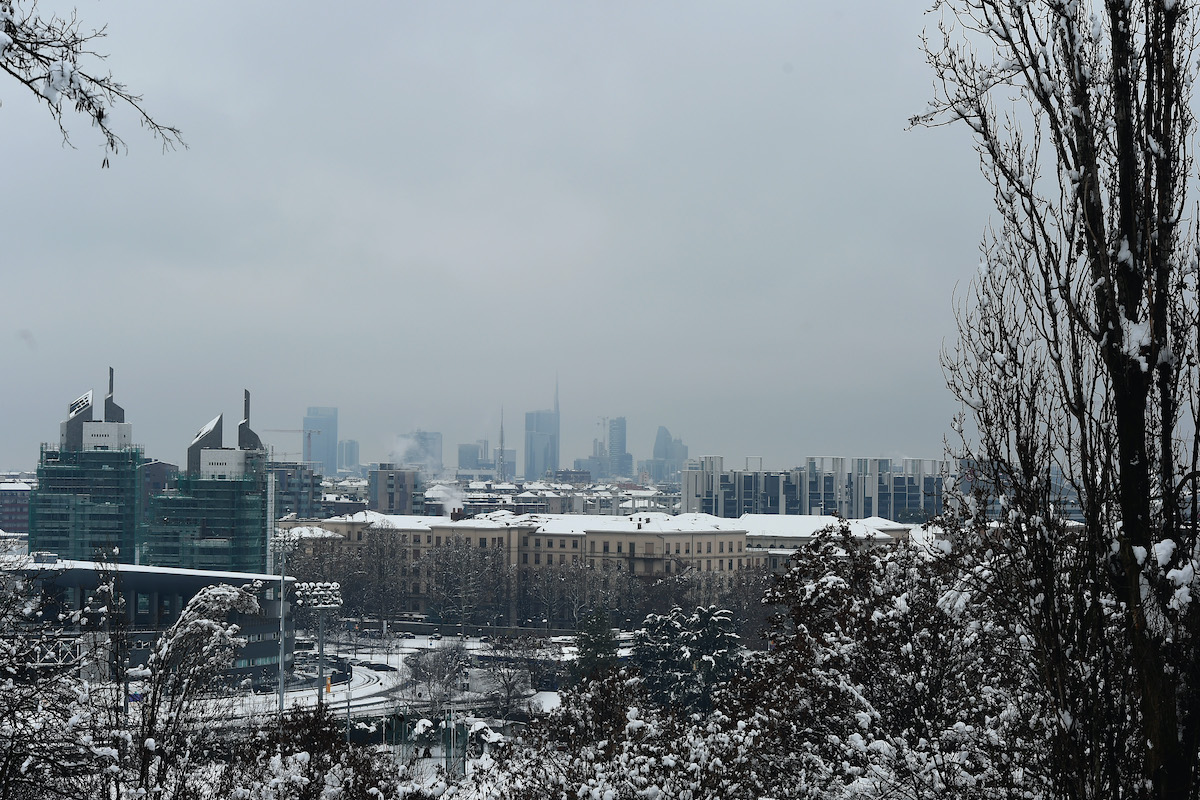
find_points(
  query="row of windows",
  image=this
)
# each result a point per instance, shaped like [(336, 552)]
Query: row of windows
[(260, 661), (606, 546), (562, 543)]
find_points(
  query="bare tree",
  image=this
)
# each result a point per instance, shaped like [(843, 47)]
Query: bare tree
[(437, 673), (510, 667), (464, 579), (56, 60), (1077, 367)]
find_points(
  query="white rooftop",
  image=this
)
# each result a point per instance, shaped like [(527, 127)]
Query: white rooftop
[(803, 526)]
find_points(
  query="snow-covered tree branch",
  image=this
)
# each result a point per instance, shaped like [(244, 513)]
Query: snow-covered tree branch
[(55, 59)]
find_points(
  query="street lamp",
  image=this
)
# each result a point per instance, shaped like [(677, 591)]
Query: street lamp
[(320, 596)]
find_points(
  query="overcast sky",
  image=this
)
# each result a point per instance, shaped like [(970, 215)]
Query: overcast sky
[(703, 215)]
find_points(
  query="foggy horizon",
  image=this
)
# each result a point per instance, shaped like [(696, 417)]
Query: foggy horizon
[(704, 217)]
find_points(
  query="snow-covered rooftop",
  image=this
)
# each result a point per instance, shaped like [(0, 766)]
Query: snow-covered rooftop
[(803, 526)]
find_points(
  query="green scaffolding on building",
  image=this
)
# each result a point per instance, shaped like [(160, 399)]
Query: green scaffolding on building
[(88, 503)]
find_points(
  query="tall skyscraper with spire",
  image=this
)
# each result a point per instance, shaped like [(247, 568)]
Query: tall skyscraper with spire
[(541, 440)]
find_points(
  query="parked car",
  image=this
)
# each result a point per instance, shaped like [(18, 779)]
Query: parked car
[(407, 635), (435, 636)]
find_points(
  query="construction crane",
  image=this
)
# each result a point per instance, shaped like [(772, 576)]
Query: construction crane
[(308, 434)]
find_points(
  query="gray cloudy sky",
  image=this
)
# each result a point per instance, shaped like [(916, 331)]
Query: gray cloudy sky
[(704, 215)]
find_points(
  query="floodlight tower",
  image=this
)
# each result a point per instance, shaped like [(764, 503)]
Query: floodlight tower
[(321, 597)]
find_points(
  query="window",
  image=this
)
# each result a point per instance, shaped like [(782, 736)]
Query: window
[(687, 550), (524, 558), (482, 541), (537, 558), (677, 548), (592, 546), (618, 547), (606, 547), (550, 543), (708, 566), (720, 547), (631, 548), (524, 541), (562, 543), (708, 549), (562, 558), (439, 541), (537, 542), (574, 544), (429, 538), (739, 547)]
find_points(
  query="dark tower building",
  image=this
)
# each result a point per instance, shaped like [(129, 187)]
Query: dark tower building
[(88, 503), (219, 515)]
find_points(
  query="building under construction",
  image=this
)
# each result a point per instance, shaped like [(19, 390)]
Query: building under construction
[(88, 503), (218, 515)]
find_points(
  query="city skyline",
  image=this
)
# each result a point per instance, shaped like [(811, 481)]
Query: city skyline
[(286, 443), (786, 251)]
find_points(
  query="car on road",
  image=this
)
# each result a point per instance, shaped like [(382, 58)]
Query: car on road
[(435, 636), (407, 635)]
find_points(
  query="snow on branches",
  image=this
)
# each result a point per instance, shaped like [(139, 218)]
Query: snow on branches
[(55, 59)]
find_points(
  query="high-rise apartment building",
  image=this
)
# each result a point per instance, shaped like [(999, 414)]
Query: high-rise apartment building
[(88, 500), (392, 490), (321, 439), (908, 490)]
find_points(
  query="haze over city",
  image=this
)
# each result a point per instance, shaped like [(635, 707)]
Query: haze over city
[(707, 217)]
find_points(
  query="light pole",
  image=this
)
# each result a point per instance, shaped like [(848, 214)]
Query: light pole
[(320, 596), (284, 541)]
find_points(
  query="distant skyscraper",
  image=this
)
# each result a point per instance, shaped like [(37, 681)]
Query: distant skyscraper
[(670, 456), (542, 440), (470, 456), (620, 461), (348, 455), (541, 443), (320, 438)]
